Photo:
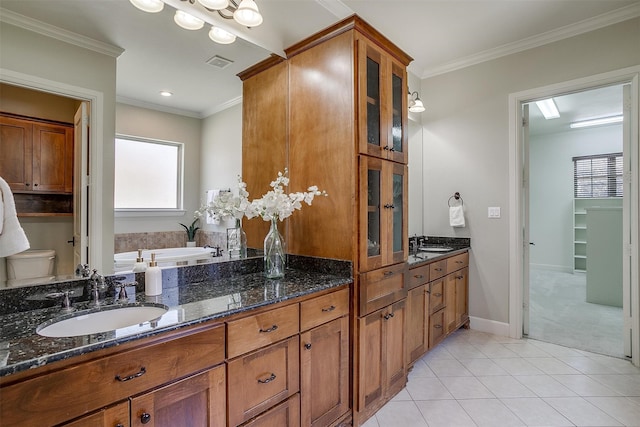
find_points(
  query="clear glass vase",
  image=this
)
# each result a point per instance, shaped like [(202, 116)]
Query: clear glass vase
[(236, 241), (274, 252)]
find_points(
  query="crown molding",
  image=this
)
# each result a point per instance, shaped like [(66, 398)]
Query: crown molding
[(221, 107), (12, 18), (591, 24), (157, 107)]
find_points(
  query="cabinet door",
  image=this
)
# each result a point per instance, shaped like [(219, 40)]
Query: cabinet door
[(324, 373), (16, 148), (462, 296), (52, 158), (382, 94), (383, 213), (382, 366), (286, 414), (450, 302), (195, 401), (113, 416), (417, 323)]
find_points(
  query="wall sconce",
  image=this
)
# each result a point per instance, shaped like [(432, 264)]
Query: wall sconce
[(415, 104)]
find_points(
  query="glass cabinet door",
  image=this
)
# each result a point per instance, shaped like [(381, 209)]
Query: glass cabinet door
[(372, 130), (399, 114), (399, 214)]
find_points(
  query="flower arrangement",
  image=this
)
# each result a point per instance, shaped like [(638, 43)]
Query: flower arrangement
[(191, 230), (276, 204), (226, 205)]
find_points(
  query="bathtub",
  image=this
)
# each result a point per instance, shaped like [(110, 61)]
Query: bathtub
[(164, 257)]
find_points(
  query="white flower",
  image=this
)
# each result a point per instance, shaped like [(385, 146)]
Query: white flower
[(227, 205)]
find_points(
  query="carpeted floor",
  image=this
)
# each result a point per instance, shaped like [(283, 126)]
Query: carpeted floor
[(559, 314)]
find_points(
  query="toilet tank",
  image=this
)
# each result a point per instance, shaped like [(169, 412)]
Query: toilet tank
[(32, 263)]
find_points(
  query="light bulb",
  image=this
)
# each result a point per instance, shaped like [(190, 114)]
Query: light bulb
[(215, 4), (247, 14), (151, 6), (186, 21), (221, 36)]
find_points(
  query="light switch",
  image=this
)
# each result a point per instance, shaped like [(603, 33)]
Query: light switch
[(494, 212)]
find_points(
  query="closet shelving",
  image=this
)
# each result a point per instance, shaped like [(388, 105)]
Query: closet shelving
[(580, 207)]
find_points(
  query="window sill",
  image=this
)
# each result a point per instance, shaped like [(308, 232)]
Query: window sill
[(131, 213)]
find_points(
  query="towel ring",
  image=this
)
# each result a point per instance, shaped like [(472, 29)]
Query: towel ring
[(456, 196)]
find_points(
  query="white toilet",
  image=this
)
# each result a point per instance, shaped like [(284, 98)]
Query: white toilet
[(31, 266)]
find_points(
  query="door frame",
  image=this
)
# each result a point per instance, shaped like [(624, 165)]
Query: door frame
[(516, 220), (95, 180)]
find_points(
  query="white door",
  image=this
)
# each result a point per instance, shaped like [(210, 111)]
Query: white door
[(525, 219), (81, 185)]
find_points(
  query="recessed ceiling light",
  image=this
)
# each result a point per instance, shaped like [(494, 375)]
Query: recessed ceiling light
[(548, 108), (165, 93), (596, 122)]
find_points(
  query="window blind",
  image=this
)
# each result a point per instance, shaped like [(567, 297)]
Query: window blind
[(597, 176)]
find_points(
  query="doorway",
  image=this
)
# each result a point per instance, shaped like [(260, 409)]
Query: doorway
[(575, 201), (519, 231)]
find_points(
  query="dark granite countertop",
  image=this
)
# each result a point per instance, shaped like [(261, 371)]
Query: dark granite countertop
[(192, 294)]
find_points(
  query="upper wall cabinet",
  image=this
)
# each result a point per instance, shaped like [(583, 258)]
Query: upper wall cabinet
[(36, 156), (382, 90)]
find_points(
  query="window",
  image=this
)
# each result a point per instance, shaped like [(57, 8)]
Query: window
[(148, 174), (597, 176)]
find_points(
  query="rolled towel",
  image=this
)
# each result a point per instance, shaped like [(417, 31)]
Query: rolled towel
[(13, 240), (456, 216)]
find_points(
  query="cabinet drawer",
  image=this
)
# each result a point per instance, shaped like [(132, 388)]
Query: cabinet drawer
[(322, 309), (418, 276), (457, 262), (437, 269), (437, 327), (436, 295), (286, 414), (260, 380), (259, 330), (101, 382), (382, 287)]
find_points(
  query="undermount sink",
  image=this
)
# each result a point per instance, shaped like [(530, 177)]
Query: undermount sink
[(102, 319), (435, 248)]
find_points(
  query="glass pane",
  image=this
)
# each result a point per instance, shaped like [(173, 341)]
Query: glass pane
[(146, 175), (373, 213), (373, 102), (397, 113), (397, 212)]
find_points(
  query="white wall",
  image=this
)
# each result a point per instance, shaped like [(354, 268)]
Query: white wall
[(551, 189), (142, 122), (41, 57), (466, 137), (221, 155)]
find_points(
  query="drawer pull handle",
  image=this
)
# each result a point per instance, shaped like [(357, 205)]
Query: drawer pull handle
[(145, 418), (268, 380), (437, 295), (328, 309), (418, 276), (271, 329), (459, 277), (437, 269), (307, 346), (388, 316), (388, 273), (437, 326), (459, 262), (140, 373)]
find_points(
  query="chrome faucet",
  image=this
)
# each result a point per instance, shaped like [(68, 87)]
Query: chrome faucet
[(97, 287), (83, 270)]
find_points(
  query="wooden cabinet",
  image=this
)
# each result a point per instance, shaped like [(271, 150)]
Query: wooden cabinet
[(285, 414), (113, 416), (439, 307), (36, 156), (324, 359), (382, 369), (195, 401)]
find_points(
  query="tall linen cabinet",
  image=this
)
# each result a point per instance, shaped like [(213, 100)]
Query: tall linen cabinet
[(334, 112)]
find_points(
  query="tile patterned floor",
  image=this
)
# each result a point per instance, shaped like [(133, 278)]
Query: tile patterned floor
[(479, 379)]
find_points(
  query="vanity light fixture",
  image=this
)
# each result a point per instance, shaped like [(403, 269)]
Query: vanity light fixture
[(245, 13), (221, 36), (186, 21), (548, 108), (151, 6), (596, 122), (415, 104)]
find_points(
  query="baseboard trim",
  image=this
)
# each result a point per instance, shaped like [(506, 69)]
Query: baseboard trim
[(489, 326)]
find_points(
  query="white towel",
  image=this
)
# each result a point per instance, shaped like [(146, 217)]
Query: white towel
[(12, 237), (211, 194), (456, 216)]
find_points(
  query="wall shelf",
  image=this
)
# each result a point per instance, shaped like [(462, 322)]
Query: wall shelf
[(580, 242)]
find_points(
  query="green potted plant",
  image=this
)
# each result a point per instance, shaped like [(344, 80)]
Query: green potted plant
[(191, 232)]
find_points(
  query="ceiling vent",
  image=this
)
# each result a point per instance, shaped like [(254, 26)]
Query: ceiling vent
[(219, 62)]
